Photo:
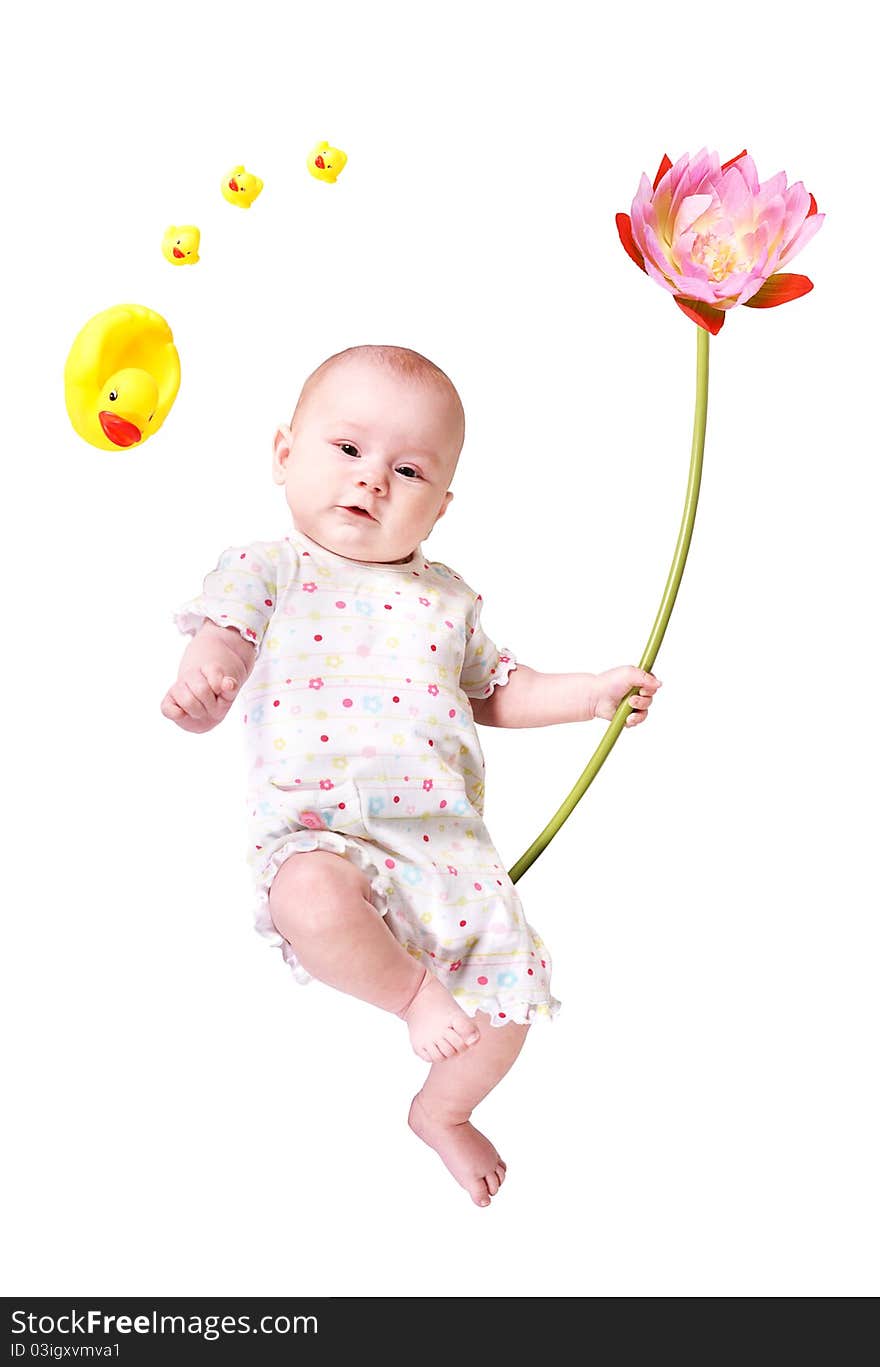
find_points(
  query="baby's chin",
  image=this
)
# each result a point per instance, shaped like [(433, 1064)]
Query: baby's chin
[(354, 536)]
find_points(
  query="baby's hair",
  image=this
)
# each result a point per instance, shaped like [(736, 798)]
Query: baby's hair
[(410, 365)]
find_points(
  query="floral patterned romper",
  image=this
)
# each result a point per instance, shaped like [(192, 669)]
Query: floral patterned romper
[(361, 740)]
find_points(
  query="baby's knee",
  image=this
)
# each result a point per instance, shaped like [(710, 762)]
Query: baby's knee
[(313, 893)]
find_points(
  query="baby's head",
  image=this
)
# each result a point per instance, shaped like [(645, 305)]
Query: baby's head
[(378, 428)]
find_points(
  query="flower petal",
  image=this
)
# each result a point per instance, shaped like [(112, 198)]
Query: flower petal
[(776, 185), (743, 153), (624, 228), (659, 277), (694, 287), (710, 319), (779, 289), (810, 226), (665, 166), (691, 209), (655, 251)]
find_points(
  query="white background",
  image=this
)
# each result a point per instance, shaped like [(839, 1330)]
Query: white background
[(702, 1117)]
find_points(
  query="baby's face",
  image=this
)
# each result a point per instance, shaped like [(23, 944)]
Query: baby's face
[(367, 438)]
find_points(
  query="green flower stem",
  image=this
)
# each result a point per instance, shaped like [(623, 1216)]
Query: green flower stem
[(670, 593)]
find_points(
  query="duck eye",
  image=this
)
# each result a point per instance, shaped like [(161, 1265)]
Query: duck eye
[(113, 395)]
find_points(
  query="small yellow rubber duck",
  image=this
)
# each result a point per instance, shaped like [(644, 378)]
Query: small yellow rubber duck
[(326, 162), (180, 246), (121, 377), (240, 187)]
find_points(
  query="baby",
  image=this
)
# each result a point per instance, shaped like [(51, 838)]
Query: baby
[(368, 667)]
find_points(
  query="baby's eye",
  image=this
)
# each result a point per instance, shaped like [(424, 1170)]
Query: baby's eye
[(348, 448), (403, 469)]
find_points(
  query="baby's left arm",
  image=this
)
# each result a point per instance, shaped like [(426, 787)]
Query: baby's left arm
[(532, 699)]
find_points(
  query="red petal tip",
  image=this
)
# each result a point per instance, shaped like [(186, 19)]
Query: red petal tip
[(624, 229), (779, 289), (701, 314), (665, 166), (739, 155)]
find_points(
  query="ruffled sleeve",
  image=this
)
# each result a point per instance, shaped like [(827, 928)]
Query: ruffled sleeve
[(484, 664), (239, 593)]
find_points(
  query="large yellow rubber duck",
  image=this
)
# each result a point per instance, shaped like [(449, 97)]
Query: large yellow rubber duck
[(326, 162), (240, 187), (121, 377)]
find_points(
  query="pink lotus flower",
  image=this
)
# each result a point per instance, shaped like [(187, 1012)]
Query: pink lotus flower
[(715, 237)]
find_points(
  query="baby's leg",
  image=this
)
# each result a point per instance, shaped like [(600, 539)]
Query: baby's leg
[(319, 902), (440, 1113)]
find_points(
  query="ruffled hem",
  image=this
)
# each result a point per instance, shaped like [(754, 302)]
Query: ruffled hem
[(502, 1008), (503, 1011), (190, 622), (298, 844), (503, 670)]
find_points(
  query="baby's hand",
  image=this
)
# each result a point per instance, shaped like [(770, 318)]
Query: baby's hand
[(200, 698), (613, 685)]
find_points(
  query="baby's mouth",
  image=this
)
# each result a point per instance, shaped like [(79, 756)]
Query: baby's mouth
[(362, 512)]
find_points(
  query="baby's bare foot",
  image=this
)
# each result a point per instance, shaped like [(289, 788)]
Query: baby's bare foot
[(470, 1157), (438, 1029)]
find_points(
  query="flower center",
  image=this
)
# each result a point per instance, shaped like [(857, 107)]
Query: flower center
[(719, 255)]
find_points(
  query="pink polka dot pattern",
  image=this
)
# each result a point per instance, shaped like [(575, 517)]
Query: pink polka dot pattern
[(361, 740)]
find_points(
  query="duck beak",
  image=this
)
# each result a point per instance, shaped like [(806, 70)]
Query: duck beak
[(119, 430)]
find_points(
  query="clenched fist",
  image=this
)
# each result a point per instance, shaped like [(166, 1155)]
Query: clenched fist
[(201, 697), (611, 687)]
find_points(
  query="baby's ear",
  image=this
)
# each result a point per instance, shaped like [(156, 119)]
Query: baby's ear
[(447, 499), (281, 447)]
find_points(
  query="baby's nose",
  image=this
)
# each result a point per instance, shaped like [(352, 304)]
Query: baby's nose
[(373, 479)]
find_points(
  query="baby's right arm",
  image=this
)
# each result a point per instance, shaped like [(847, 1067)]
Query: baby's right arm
[(215, 664)]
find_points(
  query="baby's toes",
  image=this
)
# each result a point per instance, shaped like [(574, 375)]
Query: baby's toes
[(501, 1171), (491, 1180), (479, 1192)]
